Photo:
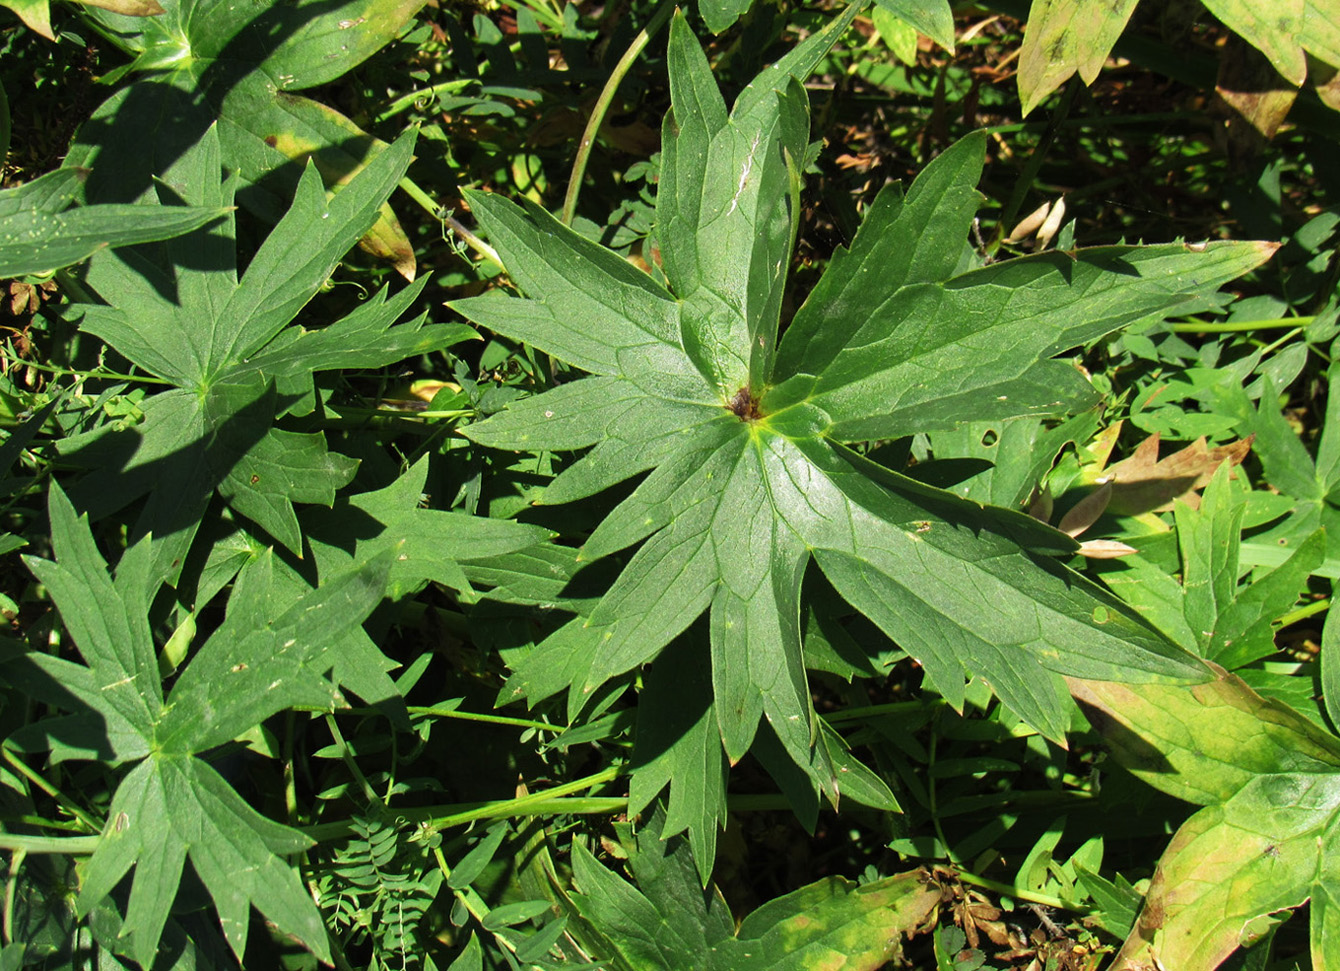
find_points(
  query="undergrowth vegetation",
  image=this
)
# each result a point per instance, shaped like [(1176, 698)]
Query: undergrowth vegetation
[(753, 486)]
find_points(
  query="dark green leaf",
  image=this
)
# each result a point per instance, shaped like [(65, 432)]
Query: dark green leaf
[(39, 234)]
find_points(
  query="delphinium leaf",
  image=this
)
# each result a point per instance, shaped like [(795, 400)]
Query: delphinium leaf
[(241, 65), (38, 233), (1211, 611), (668, 922), (173, 806), (1266, 840), (431, 544), (745, 442), (238, 361)]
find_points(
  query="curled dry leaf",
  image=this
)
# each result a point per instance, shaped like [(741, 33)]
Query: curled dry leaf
[(1145, 483), (1105, 549), (1029, 224)]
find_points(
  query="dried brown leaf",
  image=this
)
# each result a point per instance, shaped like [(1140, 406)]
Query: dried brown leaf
[(1145, 483)]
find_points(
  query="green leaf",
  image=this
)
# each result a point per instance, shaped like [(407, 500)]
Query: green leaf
[(720, 14), (429, 544), (1270, 782), (238, 360), (1273, 31), (934, 18), (169, 810), (1065, 37), (240, 65), (265, 658), (1232, 625), (1203, 744), (748, 475), (40, 234), (668, 923), (1069, 36), (679, 745)]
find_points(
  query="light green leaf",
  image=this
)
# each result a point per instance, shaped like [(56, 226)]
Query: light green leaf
[(1233, 625), (1273, 30), (934, 18), (1270, 782), (1063, 37), (1204, 743)]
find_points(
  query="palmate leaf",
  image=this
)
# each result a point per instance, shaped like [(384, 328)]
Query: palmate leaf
[(746, 442), (1210, 612), (236, 359), (240, 65), (669, 923), (38, 233), (270, 654)]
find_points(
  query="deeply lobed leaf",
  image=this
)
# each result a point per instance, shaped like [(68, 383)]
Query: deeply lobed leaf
[(749, 478)]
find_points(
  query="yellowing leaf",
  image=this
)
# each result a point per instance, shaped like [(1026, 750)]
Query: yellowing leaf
[(1065, 36), (1267, 839), (1272, 28)]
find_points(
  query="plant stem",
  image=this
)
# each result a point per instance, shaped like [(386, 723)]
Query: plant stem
[(71, 845), (101, 375), (471, 716), (545, 802), (351, 764), (602, 106), (931, 795), (89, 823), (7, 922), (1302, 613), (408, 100), (1009, 890), (438, 711), (1278, 323), (433, 209)]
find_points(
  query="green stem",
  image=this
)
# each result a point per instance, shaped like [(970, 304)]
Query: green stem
[(468, 716), (406, 101), (351, 764), (547, 802), (89, 823), (7, 922), (1302, 613), (1009, 890), (101, 375), (932, 798), (472, 716), (602, 106), (71, 845), (1236, 327), (433, 209)]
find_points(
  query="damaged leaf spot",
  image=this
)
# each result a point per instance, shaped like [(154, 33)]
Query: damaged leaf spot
[(744, 406)]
